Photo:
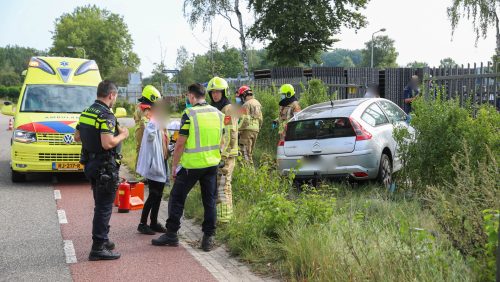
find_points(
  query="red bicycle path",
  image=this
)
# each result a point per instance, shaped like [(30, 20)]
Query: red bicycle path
[(140, 261)]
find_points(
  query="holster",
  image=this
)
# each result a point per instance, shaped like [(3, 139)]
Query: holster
[(107, 178)]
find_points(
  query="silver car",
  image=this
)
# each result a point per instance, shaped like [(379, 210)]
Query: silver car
[(345, 138)]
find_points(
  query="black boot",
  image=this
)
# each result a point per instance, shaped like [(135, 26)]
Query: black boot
[(145, 229), (110, 245), (167, 239), (207, 243), (100, 252), (158, 228)]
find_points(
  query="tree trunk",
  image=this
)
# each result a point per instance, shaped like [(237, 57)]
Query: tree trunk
[(244, 54)]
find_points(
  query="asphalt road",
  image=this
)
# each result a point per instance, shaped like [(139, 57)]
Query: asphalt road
[(30, 234), (35, 244)]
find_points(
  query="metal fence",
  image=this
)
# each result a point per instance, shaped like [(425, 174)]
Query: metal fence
[(478, 83)]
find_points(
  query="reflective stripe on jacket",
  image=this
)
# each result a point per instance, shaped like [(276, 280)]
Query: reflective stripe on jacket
[(205, 133)]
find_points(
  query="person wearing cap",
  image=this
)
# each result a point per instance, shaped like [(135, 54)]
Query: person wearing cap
[(411, 92), (289, 106), (142, 114), (218, 91), (250, 122)]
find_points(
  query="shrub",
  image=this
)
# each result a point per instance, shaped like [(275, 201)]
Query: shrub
[(315, 208), (315, 93), (442, 126), (268, 137), (272, 215), (129, 107), (458, 206), (10, 93)]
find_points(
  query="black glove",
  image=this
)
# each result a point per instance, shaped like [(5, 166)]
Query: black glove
[(222, 163)]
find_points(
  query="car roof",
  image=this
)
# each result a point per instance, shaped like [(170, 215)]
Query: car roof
[(341, 108)]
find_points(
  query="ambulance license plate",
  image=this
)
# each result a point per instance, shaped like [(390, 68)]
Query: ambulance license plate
[(67, 166)]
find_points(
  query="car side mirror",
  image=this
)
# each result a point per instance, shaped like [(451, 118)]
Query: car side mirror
[(8, 109), (408, 119), (120, 112)]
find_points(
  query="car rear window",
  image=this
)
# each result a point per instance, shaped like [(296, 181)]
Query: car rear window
[(319, 129)]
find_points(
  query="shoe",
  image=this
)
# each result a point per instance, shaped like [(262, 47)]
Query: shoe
[(103, 254), (207, 243), (167, 239), (158, 228), (110, 245), (145, 229)]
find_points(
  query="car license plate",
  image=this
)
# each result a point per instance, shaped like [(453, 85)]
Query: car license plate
[(67, 166)]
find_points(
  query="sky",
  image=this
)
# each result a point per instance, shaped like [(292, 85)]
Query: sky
[(420, 28)]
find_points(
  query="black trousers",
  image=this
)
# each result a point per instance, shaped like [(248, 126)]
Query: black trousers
[(103, 207), (184, 182), (152, 204)]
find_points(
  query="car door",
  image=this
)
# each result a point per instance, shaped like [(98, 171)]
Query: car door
[(398, 119), (381, 128)]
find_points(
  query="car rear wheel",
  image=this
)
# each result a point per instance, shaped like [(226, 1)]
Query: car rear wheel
[(17, 176), (385, 171)]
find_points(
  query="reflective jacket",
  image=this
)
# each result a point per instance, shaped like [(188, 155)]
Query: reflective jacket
[(252, 116), (229, 145), (202, 148)]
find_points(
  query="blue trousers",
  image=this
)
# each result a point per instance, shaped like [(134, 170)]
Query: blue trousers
[(103, 207), (184, 182)]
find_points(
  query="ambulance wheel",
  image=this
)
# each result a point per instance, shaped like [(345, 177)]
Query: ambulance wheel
[(17, 176)]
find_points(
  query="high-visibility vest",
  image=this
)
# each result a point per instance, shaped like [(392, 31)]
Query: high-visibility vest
[(202, 148)]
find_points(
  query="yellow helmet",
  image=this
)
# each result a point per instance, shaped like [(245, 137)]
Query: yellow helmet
[(288, 90), (150, 94), (218, 83)]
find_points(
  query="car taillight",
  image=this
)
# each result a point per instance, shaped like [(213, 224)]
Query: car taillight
[(281, 142), (361, 133)]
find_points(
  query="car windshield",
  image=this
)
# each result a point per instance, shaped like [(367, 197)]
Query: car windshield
[(319, 129), (57, 98)]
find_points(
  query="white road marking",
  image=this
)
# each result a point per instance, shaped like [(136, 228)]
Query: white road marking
[(57, 194), (69, 251), (61, 214)]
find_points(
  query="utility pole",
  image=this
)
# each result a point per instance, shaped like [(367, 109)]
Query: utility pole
[(373, 42), (212, 49)]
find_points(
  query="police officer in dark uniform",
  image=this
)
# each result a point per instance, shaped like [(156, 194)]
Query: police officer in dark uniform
[(101, 136)]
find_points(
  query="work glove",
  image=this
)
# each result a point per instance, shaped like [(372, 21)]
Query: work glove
[(275, 124)]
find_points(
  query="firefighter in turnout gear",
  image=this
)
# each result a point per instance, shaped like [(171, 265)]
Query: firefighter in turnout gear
[(142, 113), (101, 136), (217, 89), (249, 123), (289, 106)]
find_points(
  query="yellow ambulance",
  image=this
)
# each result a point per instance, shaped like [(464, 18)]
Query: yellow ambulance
[(55, 91)]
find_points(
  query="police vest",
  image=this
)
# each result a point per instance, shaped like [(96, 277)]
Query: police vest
[(202, 148), (92, 121)]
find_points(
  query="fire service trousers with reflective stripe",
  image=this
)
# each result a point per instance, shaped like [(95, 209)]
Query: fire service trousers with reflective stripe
[(224, 190), (247, 140), (184, 182)]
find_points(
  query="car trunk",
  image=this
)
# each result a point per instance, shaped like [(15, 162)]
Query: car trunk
[(319, 137)]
